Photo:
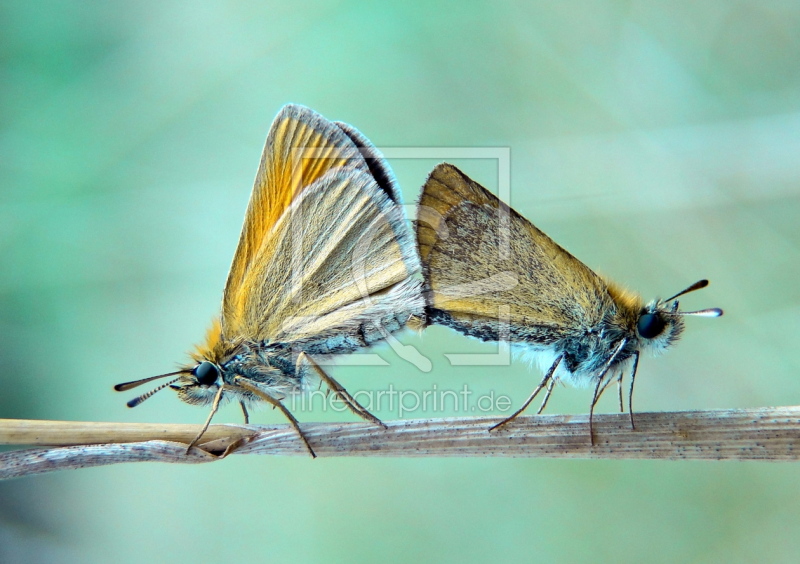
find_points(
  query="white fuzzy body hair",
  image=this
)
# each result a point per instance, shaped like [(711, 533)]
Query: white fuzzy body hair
[(545, 357)]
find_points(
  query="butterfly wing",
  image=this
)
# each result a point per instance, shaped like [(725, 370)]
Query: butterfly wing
[(374, 160), (488, 270), (337, 264), (301, 147)]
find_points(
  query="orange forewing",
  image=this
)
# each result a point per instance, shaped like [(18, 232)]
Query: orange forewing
[(300, 148)]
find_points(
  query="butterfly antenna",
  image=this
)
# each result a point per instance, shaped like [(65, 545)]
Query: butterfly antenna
[(711, 312), (125, 386), (136, 401), (700, 284)]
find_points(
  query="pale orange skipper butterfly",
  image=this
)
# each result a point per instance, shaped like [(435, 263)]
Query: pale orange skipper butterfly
[(490, 274), (326, 264)]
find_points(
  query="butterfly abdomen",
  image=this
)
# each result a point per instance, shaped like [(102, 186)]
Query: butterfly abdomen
[(356, 337)]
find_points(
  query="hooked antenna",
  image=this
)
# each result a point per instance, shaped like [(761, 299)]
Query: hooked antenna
[(711, 312), (136, 401), (125, 386), (696, 286)]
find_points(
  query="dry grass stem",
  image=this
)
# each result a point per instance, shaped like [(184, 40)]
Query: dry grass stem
[(740, 434)]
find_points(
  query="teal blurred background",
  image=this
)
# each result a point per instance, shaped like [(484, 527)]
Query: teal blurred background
[(658, 142)]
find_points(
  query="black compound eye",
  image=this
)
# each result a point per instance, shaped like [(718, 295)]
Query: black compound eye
[(650, 325), (206, 373)]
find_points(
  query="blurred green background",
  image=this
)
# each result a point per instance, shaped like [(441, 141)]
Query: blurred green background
[(658, 142)]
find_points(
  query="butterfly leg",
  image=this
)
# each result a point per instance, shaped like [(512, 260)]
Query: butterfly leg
[(546, 395), (601, 387), (547, 377), (598, 391), (339, 390), (244, 411), (275, 402), (606, 384), (214, 408), (630, 391)]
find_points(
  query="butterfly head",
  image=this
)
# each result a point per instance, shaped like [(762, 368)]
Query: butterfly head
[(199, 385), (658, 326), (196, 385), (660, 322)]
